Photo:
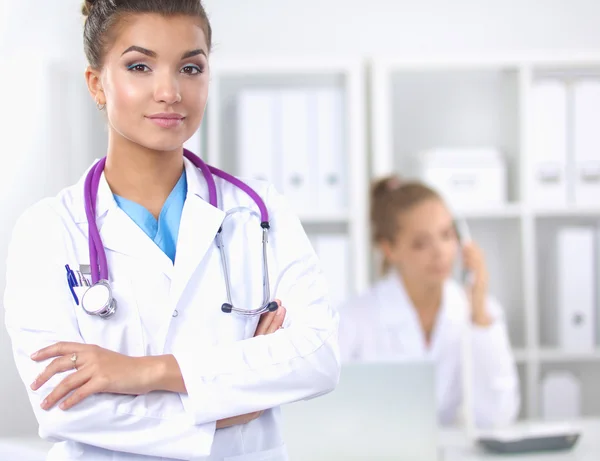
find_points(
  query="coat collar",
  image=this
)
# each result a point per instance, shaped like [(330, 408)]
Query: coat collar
[(393, 296), (200, 222), (105, 202)]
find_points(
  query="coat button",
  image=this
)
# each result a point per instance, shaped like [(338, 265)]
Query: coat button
[(175, 313)]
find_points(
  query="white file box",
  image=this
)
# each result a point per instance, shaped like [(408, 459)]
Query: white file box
[(561, 396), (296, 150), (331, 163), (548, 181), (333, 251), (466, 178), (586, 142), (576, 288), (257, 135)]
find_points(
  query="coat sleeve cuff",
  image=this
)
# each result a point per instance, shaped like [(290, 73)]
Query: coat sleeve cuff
[(197, 396), (492, 355), (205, 442)]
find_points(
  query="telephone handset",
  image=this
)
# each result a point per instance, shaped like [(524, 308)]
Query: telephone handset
[(464, 237)]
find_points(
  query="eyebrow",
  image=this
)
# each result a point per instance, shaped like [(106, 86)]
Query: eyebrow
[(152, 54)]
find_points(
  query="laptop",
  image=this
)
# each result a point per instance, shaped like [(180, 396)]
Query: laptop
[(379, 411)]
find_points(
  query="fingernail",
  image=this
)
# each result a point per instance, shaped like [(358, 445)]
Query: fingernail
[(62, 406), (44, 404), (34, 355)]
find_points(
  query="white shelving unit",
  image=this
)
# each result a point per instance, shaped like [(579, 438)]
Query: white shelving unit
[(481, 101), (230, 76)]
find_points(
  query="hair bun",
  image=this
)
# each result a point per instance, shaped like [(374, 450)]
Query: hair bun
[(393, 182), (384, 185), (87, 6)]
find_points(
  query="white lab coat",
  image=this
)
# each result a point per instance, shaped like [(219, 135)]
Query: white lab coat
[(383, 325), (166, 308)]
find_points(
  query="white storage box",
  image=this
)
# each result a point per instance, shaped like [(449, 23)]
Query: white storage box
[(466, 178), (561, 396), (576, 288)]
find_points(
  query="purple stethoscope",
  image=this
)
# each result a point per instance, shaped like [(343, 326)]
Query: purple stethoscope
[(98, 299)]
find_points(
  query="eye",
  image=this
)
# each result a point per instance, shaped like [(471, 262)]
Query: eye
[(192, 69), (138, 67), (449, 234)]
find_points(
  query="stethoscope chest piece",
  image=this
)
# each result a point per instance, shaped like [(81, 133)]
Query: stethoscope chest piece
[(98, 300)]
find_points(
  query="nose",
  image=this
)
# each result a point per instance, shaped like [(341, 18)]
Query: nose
[(438, 249), (167, 88)]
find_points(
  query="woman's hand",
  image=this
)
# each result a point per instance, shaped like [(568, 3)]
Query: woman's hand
[(474, 261), (98, 370), (269, 323)]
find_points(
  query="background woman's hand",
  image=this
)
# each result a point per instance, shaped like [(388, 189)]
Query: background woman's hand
[(474, 261), (268, 323), (98, 370)]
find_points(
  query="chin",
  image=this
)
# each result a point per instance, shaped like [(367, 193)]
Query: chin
[(160, 142), (437, 278), (163, 145)]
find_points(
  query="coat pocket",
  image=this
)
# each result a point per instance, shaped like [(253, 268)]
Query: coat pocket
[(122, 332)]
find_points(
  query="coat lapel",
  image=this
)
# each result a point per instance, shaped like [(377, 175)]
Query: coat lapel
[(413, 337), (121, 234), (200, 223)]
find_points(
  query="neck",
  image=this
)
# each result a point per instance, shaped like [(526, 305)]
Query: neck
[(142, 175), (423, 296)]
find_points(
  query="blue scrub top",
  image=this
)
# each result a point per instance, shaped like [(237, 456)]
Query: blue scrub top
[(165, 230)]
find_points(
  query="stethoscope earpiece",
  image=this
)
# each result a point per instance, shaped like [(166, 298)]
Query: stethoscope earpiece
[(273, 306), (227, 308)]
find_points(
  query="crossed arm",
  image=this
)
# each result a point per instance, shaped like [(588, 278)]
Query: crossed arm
[(103, 371)]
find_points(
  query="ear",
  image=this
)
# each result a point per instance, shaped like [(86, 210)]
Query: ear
[(94, 83), (386, 249)]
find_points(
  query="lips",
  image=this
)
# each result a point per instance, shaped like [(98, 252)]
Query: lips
[(166, 120), (167, 115)]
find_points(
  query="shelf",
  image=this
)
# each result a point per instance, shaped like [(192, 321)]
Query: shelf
[(521, 355), (550, 355), (444, 62), (422, 102), (509, 211), (557, 355), (565, 212)]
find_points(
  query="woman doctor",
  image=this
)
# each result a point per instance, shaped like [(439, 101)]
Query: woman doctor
[(169, 375), (418, 312)]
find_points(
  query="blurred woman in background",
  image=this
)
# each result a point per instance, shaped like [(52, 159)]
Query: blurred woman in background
[(419, 312)]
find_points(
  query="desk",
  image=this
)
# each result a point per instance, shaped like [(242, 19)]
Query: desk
[(24, 449), (456, 447)]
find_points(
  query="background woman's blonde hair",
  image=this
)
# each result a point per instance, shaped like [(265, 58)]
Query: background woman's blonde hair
[(390, 198)]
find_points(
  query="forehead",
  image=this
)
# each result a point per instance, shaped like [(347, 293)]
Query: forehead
[(428, 215), (163, 34)]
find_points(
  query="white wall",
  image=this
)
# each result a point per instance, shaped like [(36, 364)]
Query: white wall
[(359, 27), (261, 27)]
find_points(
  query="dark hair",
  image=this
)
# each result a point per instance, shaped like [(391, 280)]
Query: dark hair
[(102, 15), (390, 197)]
